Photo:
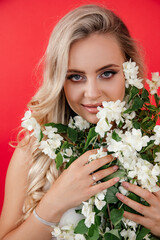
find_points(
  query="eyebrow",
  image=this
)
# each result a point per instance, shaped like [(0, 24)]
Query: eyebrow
[(100, 69)]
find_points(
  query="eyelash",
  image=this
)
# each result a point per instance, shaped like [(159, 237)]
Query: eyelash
[(70, 77)]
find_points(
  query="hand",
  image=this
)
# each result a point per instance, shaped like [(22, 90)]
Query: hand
[(75, 184), (151, 214)]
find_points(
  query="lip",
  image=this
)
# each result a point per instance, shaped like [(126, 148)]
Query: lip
[(92, 108)]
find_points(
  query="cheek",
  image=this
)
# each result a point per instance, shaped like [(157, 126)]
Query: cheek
[(116, 89), (72, 93)]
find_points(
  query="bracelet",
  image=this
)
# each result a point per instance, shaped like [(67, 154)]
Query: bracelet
[(42, 220)]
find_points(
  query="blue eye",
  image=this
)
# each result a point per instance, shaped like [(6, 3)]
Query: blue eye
[(108, 74), (74, 77)]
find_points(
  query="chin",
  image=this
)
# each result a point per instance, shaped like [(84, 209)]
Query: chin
[(91, 119)]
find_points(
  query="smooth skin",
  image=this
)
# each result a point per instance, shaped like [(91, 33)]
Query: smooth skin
[(102, 80)]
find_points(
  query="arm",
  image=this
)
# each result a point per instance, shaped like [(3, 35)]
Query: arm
[(15, 191), (76, 181)]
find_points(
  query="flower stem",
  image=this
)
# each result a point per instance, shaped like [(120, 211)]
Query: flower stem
[(109, 216)]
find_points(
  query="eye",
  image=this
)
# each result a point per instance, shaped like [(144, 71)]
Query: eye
[(108, 74), (74, 77)]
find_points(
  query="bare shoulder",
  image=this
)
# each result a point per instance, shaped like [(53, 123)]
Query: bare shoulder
[(16, 186)]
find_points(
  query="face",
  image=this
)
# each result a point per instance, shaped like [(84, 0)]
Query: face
[(94, 74)]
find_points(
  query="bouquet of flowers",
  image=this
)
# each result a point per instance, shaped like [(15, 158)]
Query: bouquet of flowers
[(129, 132)]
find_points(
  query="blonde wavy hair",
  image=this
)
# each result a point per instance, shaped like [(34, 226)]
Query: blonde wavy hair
[(49, 103)]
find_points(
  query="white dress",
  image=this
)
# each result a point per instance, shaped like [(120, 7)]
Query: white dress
[(70, 217)]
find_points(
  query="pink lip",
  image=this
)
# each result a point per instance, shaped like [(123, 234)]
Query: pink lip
[(92, 108)]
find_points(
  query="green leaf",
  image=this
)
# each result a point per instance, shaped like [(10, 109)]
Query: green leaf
[(156, 99), (116, 216), (93, 233), (59, 160), (120, 124), (152, 108), (116, 137), (112, 235), (64, 145), (72, 159), (81, 227), (129, 110), (97, 220), (145, 93), (134, 91), (61, 128), (142, 233), (149, 125), (111, 195), (41, 136), (146, 119), (137, 103), (91, 137), (149, 145), (136, 124), (120, 173), (72, 134)]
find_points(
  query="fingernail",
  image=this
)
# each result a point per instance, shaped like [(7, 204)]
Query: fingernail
[(116, 179), (115, 167), (119, 196), (125, 184)]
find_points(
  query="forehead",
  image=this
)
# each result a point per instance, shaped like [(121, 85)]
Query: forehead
[(96, 49)]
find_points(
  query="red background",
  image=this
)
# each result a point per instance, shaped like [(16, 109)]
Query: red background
[(25, 26)]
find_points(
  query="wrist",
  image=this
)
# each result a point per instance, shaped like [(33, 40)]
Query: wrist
[(50, 208)]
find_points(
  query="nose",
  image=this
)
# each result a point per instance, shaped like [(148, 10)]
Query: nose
[(92, 88)]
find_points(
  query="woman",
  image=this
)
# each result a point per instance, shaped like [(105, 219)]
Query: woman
[(83, 67)]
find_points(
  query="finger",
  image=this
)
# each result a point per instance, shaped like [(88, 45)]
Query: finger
[(157, 194), (83, 159), (102, 186), (146, 222), (103, 173), (143, 193), (144, 210), (97, 163)]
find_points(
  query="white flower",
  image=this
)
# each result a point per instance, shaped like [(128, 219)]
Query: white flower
[(128, 234), (99, 203), (56, 231), (111, 111), (71, 123), (90, 220), (135, 139), (123, 190), (30, 123), (102, 127), (128, 124), (100, 153), (101, 195), (115, 146), (79, 237), (131, 71), (69, 152), (154, 84), (156, 137), (157, 159), (47, 149), (50, 131), (130, 223), (81, 123), (146, 237), (86, 209)]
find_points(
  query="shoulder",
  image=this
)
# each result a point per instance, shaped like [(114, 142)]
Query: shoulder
[(16, 185)]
